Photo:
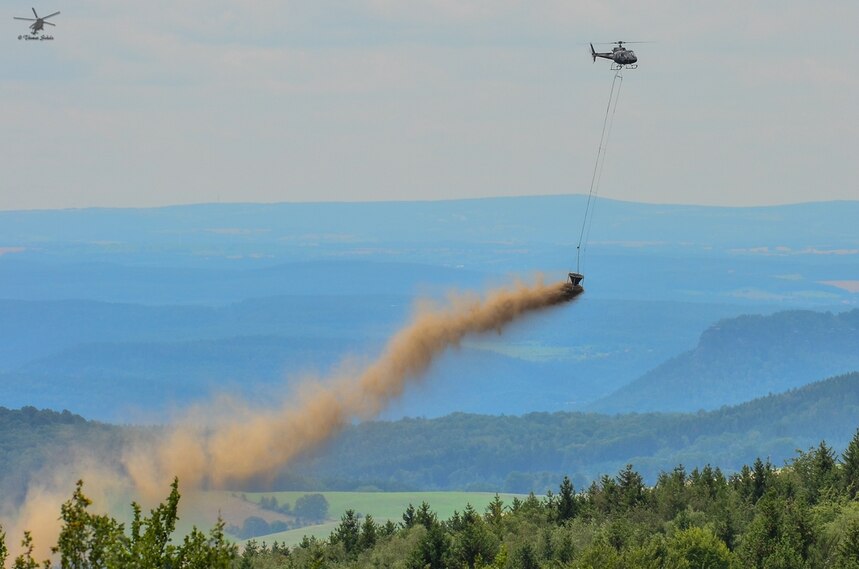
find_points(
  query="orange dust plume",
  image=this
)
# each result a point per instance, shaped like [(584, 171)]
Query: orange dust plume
[(230, 442)]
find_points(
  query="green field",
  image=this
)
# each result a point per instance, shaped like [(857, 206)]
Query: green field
[(381, 505)]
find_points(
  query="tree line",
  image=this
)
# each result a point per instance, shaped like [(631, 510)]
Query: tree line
[(308, 510), (518, 454), (515, 454), (804, 514)]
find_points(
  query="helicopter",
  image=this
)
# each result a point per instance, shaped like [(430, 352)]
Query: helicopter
[(622, 57), (38, 23)]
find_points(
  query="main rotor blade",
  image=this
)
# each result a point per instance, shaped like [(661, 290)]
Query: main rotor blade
[(25, 19), (619, 42), (49, 24), (34, 13), (50, 15)]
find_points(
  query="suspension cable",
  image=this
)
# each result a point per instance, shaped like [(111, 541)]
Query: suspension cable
[(608, 122)]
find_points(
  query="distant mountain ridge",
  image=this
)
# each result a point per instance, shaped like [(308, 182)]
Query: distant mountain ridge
[(741, 358), (98, 307), (775, 253), (541, 219)]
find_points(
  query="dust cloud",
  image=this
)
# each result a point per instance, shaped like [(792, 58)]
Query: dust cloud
[(227, 442), (205, 451)]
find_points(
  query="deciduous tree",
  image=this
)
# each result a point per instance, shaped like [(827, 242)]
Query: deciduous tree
[(312, 507), (4, 553), (698, 547)]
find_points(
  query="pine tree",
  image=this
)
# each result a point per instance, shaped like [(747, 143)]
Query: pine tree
[(409, 517), (495, 511), (474, 543), (670, 493), (525, 558), (631, 486), (246, 561), (850, 467), (348, 533), (761, 473), (565, 550), (432, 550), (369, 533), (848, 549), (547, 551), (566, 501), (389, 529), (823, 473), (744, 482), (780, 535), (425, 516)]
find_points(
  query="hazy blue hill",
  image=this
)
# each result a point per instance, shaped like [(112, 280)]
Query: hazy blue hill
[(164, 284), (745, 357), (515, 453), (518, 453), (31, 438), (36, 329), (826, 407), (103, 359), (33, 329), (117, 381), (111, 380)]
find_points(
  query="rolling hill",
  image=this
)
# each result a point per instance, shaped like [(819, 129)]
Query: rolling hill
[(517, 454), (110, 361), (742, 358), (102, 309), (504, 453)]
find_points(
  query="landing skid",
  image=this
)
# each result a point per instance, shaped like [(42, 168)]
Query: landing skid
[(618, 67)]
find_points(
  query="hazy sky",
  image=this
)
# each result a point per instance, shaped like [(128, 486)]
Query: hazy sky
[(164, 102)]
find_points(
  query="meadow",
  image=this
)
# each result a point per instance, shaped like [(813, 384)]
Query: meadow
[(382, 506)]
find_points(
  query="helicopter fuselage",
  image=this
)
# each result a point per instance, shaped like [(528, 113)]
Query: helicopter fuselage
[(621, 56)]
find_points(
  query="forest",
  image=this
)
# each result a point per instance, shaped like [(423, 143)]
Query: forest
[(531, 452), (804, 514), (471, 452)]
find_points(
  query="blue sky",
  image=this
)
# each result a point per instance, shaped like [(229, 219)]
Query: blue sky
[(155, 103)]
